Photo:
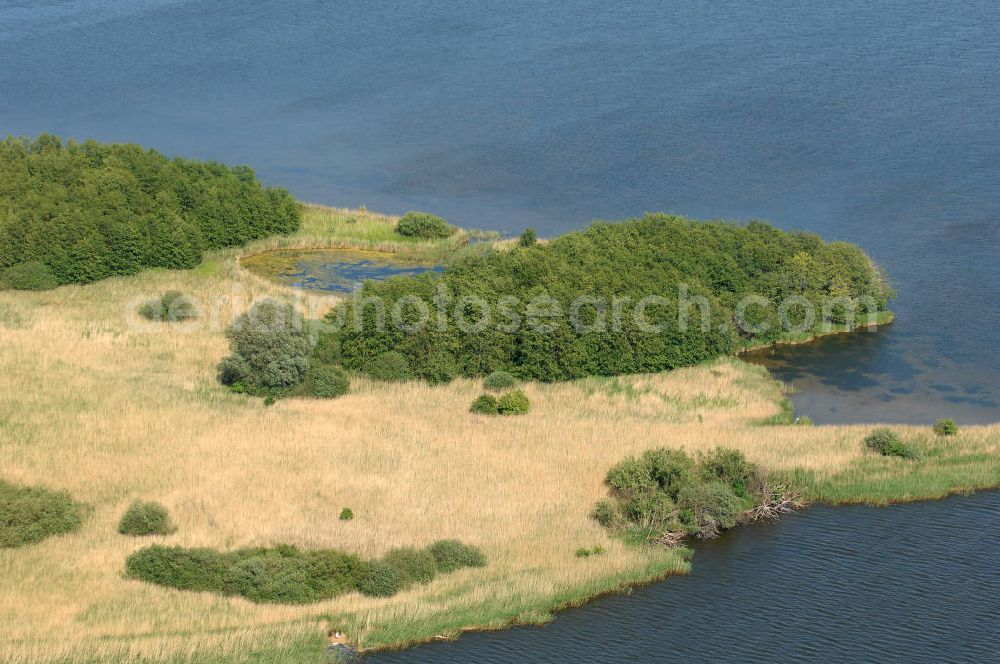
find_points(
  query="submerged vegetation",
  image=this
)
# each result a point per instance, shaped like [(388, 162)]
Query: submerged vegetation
[(79, 212), (287, 575)]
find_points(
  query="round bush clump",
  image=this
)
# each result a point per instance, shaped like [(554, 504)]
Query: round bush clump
[(178, 567), (327, 382), (450, 555), (415, 565), (31, 514), (513, 403), (529, 238), (346, 514), (380, 580), (498, 381), (424, 225), (390, 366), (888, 443), (485, 404), (333, 572), (708, 508), (33, 275), (945, 428), (272, 579), (142, 519)]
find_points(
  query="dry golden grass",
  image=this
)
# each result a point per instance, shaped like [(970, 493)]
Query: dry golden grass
[(112, 414)]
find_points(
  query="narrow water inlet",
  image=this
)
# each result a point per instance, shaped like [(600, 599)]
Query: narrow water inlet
[(331, 270)]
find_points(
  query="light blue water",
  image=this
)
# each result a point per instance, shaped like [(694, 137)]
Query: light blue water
[(876, 123)]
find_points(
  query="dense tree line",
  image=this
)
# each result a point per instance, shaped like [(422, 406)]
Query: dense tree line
[(79, 212), (685, 262)]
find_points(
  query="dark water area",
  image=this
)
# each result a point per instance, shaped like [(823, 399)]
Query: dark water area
[(874, 123), (910, 583), (330, 270)]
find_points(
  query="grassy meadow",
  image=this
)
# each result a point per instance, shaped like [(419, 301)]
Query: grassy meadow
[(113, 412)]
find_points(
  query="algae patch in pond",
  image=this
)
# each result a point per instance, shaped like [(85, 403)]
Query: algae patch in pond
[(330, 270)]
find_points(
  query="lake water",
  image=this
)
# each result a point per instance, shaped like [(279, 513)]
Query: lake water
[(875, 123)]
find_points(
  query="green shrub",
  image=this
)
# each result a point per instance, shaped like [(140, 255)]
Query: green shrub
[(670, 469), (390, 366), (346, 514), (179, 567), (528, 238), (731, 467), (584, 552), (31, 514), (654, 510), (414, 565), (327, 382), (380, 580), (631, 476), (272, 579), (334, 572), (945, 428), (424, 225), (606, 513), (708, 508), (145, 519), (513, 403), (173, 306), (499, 381), (270, 348), (888, 443), (33, 275), (485, 404), (450, 555)]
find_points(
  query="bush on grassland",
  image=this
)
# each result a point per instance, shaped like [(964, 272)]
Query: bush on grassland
[(708, 508), (380, 580), (390, 366), (145, 518), (731, 467), (888, 443), (414, 565), (270, 349), (33, 275), (271, 578), (528, 238), (173, 306), (498, 381), (513, 403), (450, 555), (31, 514), (424, 225), (346, 514), (945, 427), (326, 382), (334, 572), (485, 404), (179, 567)]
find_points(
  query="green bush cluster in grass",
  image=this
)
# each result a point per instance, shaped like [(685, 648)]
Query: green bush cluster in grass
[(528, 238), (584, 552), (146, 518), (945, 427), (512, 403), (346, 514), (500, 381), (172, 307), (79, 212), (287, 575), (31, 514), (666, 491), (424, 225), (390, 366), (888, 443), (712, 263)]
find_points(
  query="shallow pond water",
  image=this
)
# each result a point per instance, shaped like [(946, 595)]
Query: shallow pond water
[(330, 270)]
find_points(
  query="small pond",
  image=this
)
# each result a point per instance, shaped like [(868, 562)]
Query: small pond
[(331, 270)]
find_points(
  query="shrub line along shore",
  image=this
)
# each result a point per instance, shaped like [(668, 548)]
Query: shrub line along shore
[(113, 415)]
